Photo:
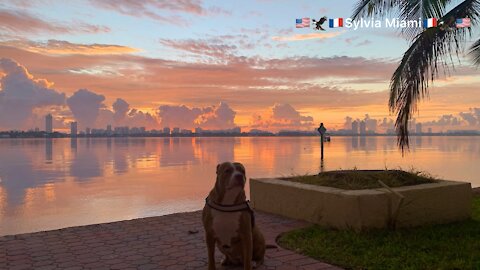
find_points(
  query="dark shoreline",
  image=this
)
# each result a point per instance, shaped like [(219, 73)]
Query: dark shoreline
[(235, 136)]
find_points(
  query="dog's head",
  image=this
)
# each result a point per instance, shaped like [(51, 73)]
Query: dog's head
[(230, 184), (231, 175)]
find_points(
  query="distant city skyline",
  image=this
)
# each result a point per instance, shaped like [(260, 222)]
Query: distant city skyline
[(367, 125), (358, 127)]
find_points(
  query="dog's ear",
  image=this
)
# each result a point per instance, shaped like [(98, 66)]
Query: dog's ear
[(218, 167), (240, 165)]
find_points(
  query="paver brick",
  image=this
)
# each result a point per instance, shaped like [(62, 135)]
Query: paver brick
[(149, 243)]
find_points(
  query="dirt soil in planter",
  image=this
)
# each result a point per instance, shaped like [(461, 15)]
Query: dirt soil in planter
[(364, 179)]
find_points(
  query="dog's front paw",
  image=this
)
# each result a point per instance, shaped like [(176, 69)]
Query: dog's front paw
[(226, 261), (256, 264)]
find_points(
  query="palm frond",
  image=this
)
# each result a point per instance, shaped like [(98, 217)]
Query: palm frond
[(420, 63), (420, 9), (406, 9), (367, 8), (475, 52)]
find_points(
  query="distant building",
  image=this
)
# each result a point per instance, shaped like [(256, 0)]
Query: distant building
[(363, 128), (122, 131), (411, 124), (297, 133), (49, 123), (176, 130), (166, 130), (98, 131), (418, 128), (73, 129), (430, 130), (88, 131), (138, 131), (355, 127), (109, 130), (371, 126), (186, 131), (464, 132), (258, 132), (218, 132), (134, 131)]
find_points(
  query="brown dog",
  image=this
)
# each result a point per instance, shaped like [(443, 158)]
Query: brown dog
[(229, 222)]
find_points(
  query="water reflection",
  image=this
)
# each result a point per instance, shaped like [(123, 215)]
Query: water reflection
[(48, 150), (53, 183)]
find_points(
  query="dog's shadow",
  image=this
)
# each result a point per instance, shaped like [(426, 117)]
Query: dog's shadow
[(236, 267)]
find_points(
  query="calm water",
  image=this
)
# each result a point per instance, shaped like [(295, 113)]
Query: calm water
[(54, 183)]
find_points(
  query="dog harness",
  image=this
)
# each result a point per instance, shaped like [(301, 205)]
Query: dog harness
[(244, 206)]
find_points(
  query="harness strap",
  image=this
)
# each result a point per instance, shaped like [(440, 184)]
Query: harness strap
[(244, 206)]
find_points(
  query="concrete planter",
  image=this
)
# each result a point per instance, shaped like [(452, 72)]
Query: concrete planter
[(435, 203)]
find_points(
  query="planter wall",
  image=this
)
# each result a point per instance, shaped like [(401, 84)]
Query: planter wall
[(441, 202)]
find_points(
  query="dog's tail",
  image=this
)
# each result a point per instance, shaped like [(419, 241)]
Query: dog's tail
[(270, 246)]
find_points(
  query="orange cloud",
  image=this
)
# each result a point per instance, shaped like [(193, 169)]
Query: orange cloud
[(60, 47), (308, 36), (21, 94), (235, 81), (247, 84), (282, 117), (212, 48)]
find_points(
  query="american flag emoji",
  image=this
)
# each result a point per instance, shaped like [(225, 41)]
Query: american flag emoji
[(302, 23), (461, 23)]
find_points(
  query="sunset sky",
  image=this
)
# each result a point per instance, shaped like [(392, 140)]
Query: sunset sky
[(212, 64)]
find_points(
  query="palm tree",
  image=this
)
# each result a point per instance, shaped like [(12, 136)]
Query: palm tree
[(430, 49)]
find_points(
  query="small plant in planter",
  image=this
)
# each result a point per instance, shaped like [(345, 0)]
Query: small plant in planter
[(364, 179)]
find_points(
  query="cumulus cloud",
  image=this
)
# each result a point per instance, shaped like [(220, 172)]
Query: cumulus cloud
[(472, 117), (178, 116), (447, 120), (140, 119), (134, 118), (21, 93), (295, 80), (282, 117), (25, 100), (120, 110), (85, 106), (216, 117), (213, 117)]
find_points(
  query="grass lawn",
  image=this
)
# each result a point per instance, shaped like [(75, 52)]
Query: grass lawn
[(363, 179), (451, 246)]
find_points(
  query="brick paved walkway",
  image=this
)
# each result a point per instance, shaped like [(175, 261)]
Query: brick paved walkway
[(148, 243)]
